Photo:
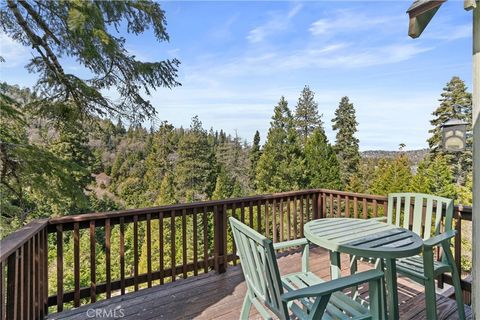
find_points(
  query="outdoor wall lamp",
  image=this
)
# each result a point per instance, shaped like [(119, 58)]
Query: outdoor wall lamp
[(454, 133)]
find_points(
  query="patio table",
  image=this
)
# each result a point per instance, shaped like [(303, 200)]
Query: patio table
[(366, 238)]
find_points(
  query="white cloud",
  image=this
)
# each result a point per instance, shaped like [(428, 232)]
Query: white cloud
[(13, 52), (278, 22), (450, 33), (347, 20)]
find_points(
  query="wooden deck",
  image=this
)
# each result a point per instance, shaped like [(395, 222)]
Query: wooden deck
[(213, 296)]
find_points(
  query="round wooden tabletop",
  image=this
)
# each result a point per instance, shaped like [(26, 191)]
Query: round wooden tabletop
[(363, 237)]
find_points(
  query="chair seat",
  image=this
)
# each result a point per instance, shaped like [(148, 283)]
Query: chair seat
[(413, 266), (340, 305)]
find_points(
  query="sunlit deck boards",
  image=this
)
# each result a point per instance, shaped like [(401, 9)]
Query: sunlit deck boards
[(213, 296)]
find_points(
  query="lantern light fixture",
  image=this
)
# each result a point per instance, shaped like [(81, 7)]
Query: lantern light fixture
[(454, 133)]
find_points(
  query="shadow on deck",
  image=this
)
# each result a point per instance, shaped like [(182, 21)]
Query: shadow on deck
[(213, 296)]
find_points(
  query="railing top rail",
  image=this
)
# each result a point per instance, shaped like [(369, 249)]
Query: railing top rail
[(16, 239), (201, 204)]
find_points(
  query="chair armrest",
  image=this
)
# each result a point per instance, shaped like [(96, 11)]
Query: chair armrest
[(332, 286), (291, 243), (435, 241), (381, 219)]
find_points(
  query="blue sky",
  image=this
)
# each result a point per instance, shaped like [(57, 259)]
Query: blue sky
[(238, 58)]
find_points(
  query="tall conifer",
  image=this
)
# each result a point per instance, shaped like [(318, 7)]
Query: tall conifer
[(346, 144)]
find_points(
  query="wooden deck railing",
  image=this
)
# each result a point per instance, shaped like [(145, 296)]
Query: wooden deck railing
[(189, 239)]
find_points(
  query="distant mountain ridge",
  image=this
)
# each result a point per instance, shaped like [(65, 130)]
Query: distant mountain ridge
[(415, 156)]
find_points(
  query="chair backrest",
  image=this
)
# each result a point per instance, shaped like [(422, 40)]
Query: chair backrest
[(260, 267), (421, 213)]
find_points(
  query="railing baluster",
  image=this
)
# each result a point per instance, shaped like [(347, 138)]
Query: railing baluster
[(365, 209), (267, 222), (135, 252), (331, 206), (307, 207), (161, 244), (195, 241), (274, 220), (355, 207), (288, 219), (122, 256), (224, 238), (76, 263), (205, 240), (59, 228), (23, 284), (149, 250), (458, 243), (173, 262), (295, 218), (93, 280), (347, 206), (339, 206), (375, 208), (184, 242), (107, 258), (242, 218), (3, 305), (12, 285), (259, 216), (301, 216), (250, 214), (281, 220)]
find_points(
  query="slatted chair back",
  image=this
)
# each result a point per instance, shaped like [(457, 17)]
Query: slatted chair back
[(260, 267), (421, 213)]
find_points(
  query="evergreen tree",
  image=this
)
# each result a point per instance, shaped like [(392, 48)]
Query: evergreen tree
[(280, 167), (362, 180), (434, 176), (454, 93), (223, 186), (255, 154), (85, 31), (167, 191), (194, 173), (322, 168), (346, 144), (306, 114), (159, 160), (393, 176)]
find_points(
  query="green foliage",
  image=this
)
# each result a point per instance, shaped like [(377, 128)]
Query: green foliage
[(306, 114), (280, 167), (454, 93), (87, 31), (167, 191), (392, 176), (223, 186), (465, 193), (322, 167), (255, 154), (194, 173), (346, 144), (36, 180), (434, 176)]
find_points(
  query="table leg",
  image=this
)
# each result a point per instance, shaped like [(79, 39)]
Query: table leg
[(380, 265), (391, 279), (335, 265)]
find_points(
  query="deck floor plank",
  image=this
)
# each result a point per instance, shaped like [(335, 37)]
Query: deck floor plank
[(213, 296)]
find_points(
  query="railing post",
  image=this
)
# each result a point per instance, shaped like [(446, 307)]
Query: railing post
[(220, 238)]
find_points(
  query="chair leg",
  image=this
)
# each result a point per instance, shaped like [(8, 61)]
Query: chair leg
[(353, 270), (247, 304), (430, 299), (458, 293)]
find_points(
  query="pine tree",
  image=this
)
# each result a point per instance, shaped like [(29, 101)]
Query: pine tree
[(255, 154), (194, 173), (159, 161), (362, 180), (166, 194), (280, 167), (346, 144), (393, 176), (223, 186), (454, 93), (306, 114), (322, 168)]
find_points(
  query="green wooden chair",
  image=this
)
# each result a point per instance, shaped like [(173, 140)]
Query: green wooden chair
[(302, 295), (422, 213)]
